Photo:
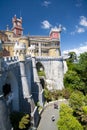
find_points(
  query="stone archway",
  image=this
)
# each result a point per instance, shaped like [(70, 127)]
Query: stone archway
[(41, 73), (11, 91), (39, 66)]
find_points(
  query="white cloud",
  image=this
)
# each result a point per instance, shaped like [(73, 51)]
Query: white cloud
[(83, 21), (78, 51), (81, 27), (80, 30), (46, 3), (46, 24)]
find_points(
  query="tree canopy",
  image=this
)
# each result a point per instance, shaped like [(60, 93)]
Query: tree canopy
[(76, 76), (67, 121)]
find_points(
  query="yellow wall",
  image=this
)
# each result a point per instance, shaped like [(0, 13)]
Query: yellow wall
[(53, 53)]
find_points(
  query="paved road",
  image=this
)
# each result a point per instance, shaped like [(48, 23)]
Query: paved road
[(46, 123)]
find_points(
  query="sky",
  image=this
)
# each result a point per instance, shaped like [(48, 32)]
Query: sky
[(39, 16)]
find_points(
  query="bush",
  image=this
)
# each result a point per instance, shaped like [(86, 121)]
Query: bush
[(41, 73), (76, 100), (66, 92), (20, 120), (67, 121)]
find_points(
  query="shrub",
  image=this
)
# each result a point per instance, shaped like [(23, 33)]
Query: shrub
[(76, 100), (41, 73), (67, 121), (20, 120), (66, 92)]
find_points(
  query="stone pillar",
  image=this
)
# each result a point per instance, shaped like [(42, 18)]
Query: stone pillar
[(39, 49), (37, 82), (28, 101)]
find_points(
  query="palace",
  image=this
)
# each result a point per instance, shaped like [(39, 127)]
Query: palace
[(20, 85), (42, 45)]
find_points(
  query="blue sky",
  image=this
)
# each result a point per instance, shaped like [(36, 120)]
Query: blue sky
[(39, 16)]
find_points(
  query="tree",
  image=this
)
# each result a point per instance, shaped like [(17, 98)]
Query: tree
[(73, 81), (76, 100), (73, 57), (67, 121), (82, 116), (82, 69), (47, 95)]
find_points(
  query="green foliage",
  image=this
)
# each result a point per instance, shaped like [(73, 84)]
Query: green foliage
[(76, 79), (84, 108), (20, 120), (41, 73), (56, 94), (83, 69), (85, 100), (64, 109), (47, 95), (76, 100), (73, 81), (67, 121), (52, 95), (72, 57), (76, 76), (82, 59), (39, 106), (66, 92), (82, 116), (24, 121)]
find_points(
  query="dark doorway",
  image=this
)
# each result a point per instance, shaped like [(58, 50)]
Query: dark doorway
[(39, 67), (6, 89)]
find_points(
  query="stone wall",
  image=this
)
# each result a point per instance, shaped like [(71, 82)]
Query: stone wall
[(54, 70)]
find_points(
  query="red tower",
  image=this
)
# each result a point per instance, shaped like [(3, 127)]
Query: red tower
[(17, 26), (55, 33)]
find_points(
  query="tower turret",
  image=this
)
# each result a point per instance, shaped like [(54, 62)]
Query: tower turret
[(55, 33), (17, 26), (54, 51)]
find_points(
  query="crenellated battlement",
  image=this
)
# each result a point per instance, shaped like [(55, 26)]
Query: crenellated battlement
[(10, 59)]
